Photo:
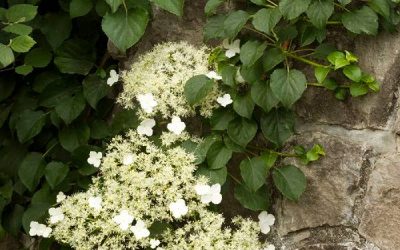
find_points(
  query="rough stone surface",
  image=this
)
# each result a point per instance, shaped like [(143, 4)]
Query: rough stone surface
[(378, 56), (380, 220), (331, 187)]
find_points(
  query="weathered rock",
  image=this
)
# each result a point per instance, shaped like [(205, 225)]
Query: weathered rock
[(380, 221), (380, 57), (332, 187)]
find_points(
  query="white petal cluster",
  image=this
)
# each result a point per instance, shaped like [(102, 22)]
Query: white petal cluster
[(146, 127), (95, 158), (266, 220), (154, 243), (178, 208), (60, 197), (269, 247), (129, 158), (209, 193), (214, 75), (114, 77), (231, 48), (176, 126), (224, 100), (124, 219), (56, 215), (37, 229), (163, 72), (147, 102), (95, 202), (140, 230)]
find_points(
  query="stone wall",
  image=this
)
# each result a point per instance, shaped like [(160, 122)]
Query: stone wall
[(353, 196)]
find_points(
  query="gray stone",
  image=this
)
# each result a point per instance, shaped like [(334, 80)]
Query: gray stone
[(378, 56), (331, 186), (380, 220)]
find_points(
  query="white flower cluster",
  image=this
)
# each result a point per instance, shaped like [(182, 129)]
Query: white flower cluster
[(142, 186), (157, 79)]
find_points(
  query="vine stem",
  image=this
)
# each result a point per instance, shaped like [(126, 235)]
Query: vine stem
[(262, 34), (272, 3), (235, 179), (49, 150), (341, 7), (299, 58), (272, 151)]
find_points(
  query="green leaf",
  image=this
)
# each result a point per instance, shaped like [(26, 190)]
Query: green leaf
[(173, 6), (56, 27), (197, 88), (338, 59), (18, 28), (254, 172), (290, 181), (266, 19), (212, 5), (253, 73), (361, 21), (353, 72), (202, 148), (21, 13), (228, 74), (70, 108), (24, 69), (80, 7), (293, 8), (315, 153), (31, 170), (221, 118), (235, 22), (38, 57), (29, 124), (123, 120), (99, 129), (4, 112), (55, 173), (57, 91), (125, 29), (244, 105), (381, 6), (229, 143), (94, 89), (218, 155), (214, 175), (12, 221), (262, 95), (272, 57), (288, 85), (358, 89), (214, 28), (319, 12), (114, 4), (73, 136), (278, 125), (242, 130), (321, 73), (251, 51), (253, 201), (75, 56), (35, 212), (7, 86), (22, 43)]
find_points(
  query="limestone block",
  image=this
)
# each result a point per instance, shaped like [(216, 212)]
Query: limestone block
[(331, 186), (379, 56), (380, 220)]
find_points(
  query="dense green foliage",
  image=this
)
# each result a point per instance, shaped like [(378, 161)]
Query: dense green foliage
[(55, 105), (278, 41)]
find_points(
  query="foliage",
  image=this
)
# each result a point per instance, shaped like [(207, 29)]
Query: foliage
[(55, 105), (264, 74)]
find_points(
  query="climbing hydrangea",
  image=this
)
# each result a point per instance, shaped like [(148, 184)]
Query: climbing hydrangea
[(128, 203), (162, 74)]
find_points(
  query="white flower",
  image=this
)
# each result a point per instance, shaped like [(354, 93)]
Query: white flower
[(128, 159), (266, 221), (60, 197), (232, 48), (123, 219), (140, 230), (147, 102), (95, 158), (209, 193), (269, 247), (56, 215), (114, 77), (154, 243), (213, 75), (146, 127), (176, 126), (95, 202), (239, 78), (178, 208), (224, 100), (37, 229)]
